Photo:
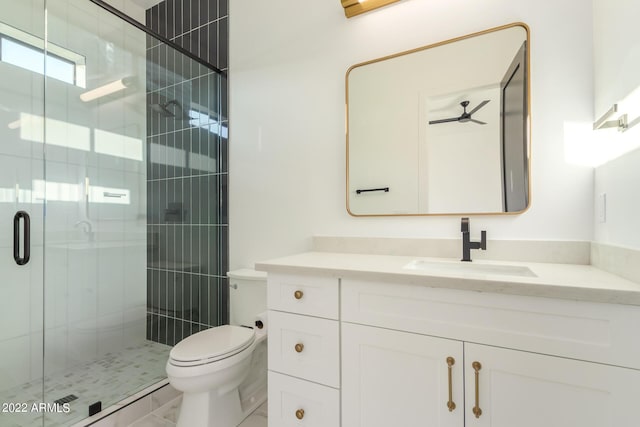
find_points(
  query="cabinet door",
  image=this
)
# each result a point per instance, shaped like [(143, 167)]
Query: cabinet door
[(517, 388), (392, 378)]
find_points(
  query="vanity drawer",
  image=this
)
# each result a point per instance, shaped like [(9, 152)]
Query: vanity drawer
[(587, 331), (295, 403), (305, 347), (313, 296)]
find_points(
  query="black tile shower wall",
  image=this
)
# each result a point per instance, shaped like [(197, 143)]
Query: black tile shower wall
[(187, 288), (200, 26)]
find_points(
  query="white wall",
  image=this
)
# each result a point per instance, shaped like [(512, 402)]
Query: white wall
[(618, 180), (617, 51), (617, 60), (287, 156)]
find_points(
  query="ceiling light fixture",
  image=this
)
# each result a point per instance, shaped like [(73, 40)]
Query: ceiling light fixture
[(356, 7)]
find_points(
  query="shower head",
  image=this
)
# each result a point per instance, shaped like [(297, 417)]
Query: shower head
[(169, 109)]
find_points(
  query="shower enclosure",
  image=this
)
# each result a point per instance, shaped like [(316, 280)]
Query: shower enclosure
[(112, 187)]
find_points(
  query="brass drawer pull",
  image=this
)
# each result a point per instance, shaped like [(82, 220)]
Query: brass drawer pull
[(300, 414), (450, 404), (298, 294), (299, 347), (476, 409)]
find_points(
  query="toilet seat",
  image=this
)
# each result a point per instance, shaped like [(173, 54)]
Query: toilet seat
[(211, 345)]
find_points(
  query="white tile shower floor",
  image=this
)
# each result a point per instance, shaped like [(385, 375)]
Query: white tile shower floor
[(109, 379), (166, 416)]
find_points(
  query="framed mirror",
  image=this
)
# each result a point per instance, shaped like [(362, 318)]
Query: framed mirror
[(443, 129)]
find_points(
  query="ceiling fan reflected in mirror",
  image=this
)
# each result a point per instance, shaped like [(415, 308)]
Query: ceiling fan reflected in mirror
[(464, 117)]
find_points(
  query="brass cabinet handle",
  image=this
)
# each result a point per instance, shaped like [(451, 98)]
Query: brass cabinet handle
[(476, 409), (299, 347), (300, 414), (450, 404), (298, 294)]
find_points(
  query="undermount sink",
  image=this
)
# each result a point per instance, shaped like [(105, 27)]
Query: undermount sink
[(449, 267)]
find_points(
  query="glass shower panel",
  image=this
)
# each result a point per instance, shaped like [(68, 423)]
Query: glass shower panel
[(21, 178), (124, 111), (96, 350)]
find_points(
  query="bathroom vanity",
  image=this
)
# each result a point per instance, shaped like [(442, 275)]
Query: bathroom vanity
[(378, 341)]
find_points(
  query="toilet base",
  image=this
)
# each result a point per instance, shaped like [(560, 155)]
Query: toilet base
[(222, 396), (205, 410)]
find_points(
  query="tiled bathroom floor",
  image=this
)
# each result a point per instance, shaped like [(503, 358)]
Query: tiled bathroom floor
[(166, 416), (109, 379)]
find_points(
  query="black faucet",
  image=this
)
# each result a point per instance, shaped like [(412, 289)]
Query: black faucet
[(467, 244)]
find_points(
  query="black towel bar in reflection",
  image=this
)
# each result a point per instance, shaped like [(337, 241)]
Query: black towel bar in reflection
[(385, 189)]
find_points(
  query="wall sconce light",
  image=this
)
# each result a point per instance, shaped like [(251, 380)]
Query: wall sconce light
[(356, 7), (623, 115), (612, 119)]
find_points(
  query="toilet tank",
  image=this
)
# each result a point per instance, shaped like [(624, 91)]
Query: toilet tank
[(247, 295)]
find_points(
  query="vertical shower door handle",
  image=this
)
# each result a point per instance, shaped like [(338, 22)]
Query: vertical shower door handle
[(26, 238)]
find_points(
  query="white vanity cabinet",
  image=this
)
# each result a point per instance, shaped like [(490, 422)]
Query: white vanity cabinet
[(391, 374), (399, 378), (303, 351), (364, 351)]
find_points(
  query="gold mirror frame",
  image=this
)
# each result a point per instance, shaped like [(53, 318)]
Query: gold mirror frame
[(434, 45), (355, 7)]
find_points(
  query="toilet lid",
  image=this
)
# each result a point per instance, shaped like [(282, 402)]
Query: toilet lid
[(212, 344)]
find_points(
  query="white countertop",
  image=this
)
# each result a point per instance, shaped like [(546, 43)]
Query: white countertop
[(566, 281)]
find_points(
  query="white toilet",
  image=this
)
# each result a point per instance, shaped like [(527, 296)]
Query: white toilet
[(222, 371)]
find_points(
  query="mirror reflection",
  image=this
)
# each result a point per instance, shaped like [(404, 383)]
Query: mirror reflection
[(442, 129)]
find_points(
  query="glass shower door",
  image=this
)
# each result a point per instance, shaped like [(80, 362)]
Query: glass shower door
[(97, 121), (21, 211), (95, 286)]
